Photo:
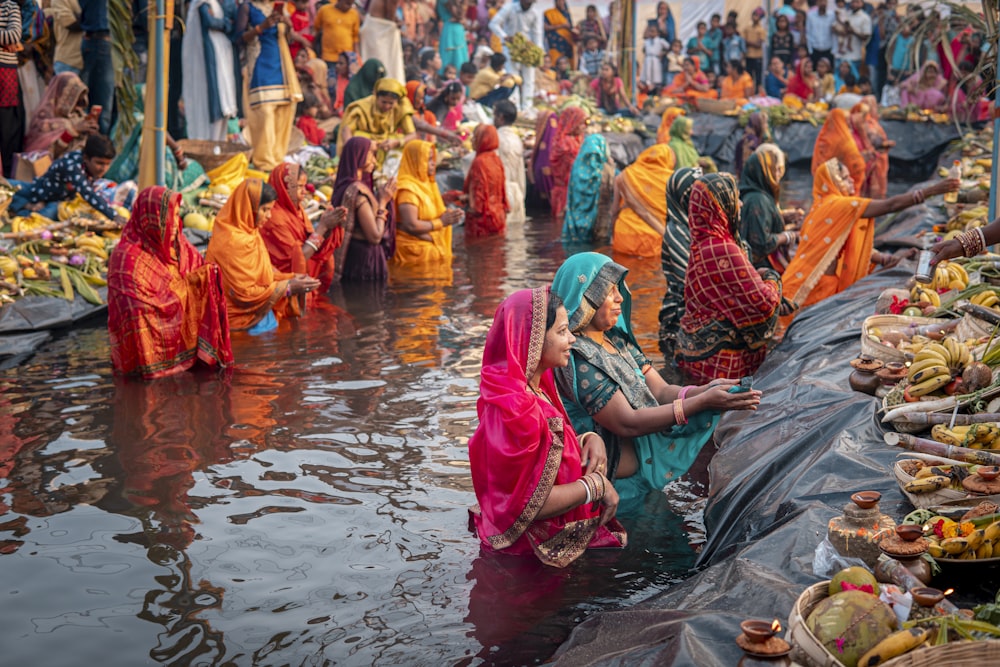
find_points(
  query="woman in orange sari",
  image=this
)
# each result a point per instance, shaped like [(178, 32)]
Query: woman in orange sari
[(423, 237), (255, 292), (292, 243), (165, 304), (565, 146), (691, 83), (877, 184), (837, 140), (640, 212), (671, 114), (485, 186), (835, 248), (737, 84)]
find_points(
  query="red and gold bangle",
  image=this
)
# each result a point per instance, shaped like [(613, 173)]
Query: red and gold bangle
[(679, 417), (599, 478)]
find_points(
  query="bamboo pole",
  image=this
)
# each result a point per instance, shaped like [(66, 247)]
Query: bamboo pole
[(152, 152), (924, 446)]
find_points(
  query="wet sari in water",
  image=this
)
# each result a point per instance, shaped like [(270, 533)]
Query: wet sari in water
[(585, 186), (253, 287), (541, 166), (834, 231), (565, 147), (674, 253), (357, 260), (165, 304), (730, 310), (485, 185), (416, 186), (289, 227), (525, 445), (641, 221), (594, 376)]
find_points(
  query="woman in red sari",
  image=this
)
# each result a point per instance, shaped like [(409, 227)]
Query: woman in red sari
[(541, 489), (165, 304), (877, 183), (485, 186), (731, 309), (565, 146), (292, 243), (803, 83)]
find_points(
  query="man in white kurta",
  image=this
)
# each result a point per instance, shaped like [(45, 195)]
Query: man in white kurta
[(511, 152), (520, 16)]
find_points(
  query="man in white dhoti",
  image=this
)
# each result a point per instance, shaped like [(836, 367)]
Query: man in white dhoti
[(511, 152), (380, 38), (520, 16)]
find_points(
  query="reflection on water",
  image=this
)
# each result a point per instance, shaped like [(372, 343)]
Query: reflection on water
[(308, 508)]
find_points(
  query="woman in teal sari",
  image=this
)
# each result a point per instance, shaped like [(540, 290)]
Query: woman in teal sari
[(653, 430), (453, 46), (587, 183)]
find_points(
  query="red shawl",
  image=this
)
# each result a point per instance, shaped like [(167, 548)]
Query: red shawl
[(287, 230), (526, 445), (486, 186), (165, 304), (799, 86), (565, 146), (722, 284)]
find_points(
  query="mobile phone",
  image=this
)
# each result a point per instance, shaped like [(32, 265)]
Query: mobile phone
[(746, 384), (95, 112)]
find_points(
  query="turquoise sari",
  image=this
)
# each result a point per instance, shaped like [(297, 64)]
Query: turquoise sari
[(594, 375), (585, 190), (452, 45)]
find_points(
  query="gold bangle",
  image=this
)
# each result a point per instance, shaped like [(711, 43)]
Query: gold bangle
[(436, 224)]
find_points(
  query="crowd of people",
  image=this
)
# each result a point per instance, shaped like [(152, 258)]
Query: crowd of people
[(573, 417)]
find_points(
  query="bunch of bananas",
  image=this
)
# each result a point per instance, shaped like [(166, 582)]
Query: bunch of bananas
[(923, 294), (987, 299), (91, 244), (967, 543), (8, 267), (23, 224), (524, 51), (936, 365), (973, 436), (968, 219), (949, 276)]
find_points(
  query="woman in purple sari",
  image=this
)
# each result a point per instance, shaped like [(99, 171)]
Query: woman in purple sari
[(545, 133), (370, 228)]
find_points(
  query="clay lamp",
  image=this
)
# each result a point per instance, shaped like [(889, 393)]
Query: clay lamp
[(866, 499), (759, 641), (909, 532), (893, 372), (926, 596), (989, 473)]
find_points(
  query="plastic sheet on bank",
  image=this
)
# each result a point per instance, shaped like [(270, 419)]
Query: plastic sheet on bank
[(780, 475)]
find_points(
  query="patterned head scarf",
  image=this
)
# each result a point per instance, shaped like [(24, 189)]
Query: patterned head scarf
[(679, 194), (772, 164), (719, 194)]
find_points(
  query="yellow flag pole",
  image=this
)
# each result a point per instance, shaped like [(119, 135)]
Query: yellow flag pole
[(152, 152)]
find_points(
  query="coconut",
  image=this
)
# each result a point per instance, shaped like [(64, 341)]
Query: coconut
[(850, 623), (976, 376), (856, 576)]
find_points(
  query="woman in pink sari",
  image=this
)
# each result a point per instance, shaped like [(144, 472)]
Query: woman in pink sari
[(541, 489), (925, 89), (61, 122)]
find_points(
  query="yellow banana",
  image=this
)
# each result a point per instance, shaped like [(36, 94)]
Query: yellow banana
[(923, 364), (954, 546), (961, 272), (927, 372), (935, 550), (928, 386), (985, 550), (927, 484), (976, 539), (942, 433), (951, 345), (930, 351), (993, 532), (894, 645)]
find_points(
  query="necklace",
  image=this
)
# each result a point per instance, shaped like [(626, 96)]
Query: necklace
[(539, 393)]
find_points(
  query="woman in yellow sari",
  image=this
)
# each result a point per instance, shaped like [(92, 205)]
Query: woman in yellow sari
[(423, 237), (254, 291), (641, 204), (836, 246), (385, 117)]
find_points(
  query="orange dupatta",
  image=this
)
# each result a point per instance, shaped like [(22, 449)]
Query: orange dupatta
[(833, 231), (252, 286), (836, 140), (416, 185), (640, 224), (671, 114)]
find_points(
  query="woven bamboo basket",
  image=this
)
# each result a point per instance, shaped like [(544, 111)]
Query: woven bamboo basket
[(986, 652), (893, 399), (887, 323), (951, 497), (806, 649), (204, 152)]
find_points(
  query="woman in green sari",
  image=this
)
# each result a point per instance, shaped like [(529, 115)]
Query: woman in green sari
[(680, 141), (653, 430), (762, 224)]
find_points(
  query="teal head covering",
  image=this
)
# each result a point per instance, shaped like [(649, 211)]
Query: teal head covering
[(584, 281), (585, 189), (362, 84)]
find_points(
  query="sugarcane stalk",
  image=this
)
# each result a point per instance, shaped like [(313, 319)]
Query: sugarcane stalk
[(925, 446), (927, 418), (986, 314)]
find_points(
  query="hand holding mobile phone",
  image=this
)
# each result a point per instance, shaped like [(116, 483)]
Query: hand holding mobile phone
[(746, 384), (95, 112)]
